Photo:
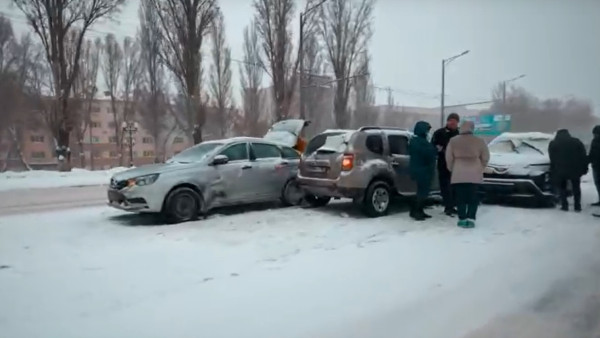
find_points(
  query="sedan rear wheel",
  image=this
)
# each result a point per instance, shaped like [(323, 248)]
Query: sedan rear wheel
[(183, 204), (292, 194)]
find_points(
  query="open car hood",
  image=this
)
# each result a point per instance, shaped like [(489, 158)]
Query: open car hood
[(286, 132)]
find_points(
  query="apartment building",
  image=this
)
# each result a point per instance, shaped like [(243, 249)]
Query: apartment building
[(97, 148)]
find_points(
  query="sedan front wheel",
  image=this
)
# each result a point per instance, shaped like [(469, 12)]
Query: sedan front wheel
[(182, 205)]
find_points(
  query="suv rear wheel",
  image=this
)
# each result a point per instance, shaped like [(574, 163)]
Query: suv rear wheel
[(377, 199), (317, 201)]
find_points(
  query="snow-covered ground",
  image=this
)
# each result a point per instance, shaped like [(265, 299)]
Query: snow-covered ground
[(11, 180), (98, 272)]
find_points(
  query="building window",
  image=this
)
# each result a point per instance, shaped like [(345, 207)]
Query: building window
[(111, 124), (95, 124), (95, 139), (135, 154), (113, 154), (148, 153), (97, 154), (147, 140), (112, 139), (37, 138), (38, 154), (178, 139)]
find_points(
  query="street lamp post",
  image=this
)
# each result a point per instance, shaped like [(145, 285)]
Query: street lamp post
[(444, 63), (130, 127), (504, 86), (301, 53)]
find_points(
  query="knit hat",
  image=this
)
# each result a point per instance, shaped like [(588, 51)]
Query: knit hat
[(453, 116)]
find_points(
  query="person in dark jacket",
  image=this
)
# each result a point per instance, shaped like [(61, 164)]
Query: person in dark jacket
[(594, 158), (568, 162), (421, 167), (440, 140)]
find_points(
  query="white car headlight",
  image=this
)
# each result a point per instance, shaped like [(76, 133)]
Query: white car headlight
[(142, 180)]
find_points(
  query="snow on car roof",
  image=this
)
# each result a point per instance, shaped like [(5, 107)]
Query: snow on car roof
[(527, 135)]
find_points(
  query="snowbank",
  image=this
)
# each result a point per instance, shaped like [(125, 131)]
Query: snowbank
[(11, 180)]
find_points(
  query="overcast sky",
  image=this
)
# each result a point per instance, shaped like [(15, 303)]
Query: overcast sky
[(556, 43)]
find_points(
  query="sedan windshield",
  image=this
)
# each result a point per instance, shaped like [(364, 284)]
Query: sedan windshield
[(520, 146), (196, 153)]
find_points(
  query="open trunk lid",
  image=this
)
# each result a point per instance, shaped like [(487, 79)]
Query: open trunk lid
[(286, 132)]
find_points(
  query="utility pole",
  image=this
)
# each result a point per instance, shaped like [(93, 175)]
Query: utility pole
[(301, 55), (444, 63), (504, 86)]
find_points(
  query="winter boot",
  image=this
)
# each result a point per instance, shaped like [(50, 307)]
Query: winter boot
[(470, 223), (564, 206), (450, 211), (577, 207), (463, 223), (416, 212)]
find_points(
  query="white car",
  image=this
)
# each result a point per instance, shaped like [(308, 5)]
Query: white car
[(519, 168)]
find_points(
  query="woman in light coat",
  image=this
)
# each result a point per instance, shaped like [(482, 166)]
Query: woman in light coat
[(467, 156)]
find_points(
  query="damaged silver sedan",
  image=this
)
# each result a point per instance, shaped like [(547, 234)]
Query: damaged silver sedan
[(211, 174)]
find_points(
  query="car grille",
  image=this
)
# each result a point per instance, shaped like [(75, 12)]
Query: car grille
[(118, 185), (539, 181)]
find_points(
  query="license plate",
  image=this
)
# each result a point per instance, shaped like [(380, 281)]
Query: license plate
[(318, 169)]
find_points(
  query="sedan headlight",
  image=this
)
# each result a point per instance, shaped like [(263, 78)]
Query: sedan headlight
[(142, 180)]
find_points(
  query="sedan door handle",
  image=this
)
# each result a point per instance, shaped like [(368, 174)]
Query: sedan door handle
[(247, 166)]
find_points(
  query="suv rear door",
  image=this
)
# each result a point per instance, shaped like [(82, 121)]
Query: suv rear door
[(399, 158)]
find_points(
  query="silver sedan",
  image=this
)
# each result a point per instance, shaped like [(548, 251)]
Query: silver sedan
[(211, 174)]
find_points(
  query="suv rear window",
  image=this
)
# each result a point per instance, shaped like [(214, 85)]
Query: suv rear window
[(375, 144), (318, 141), (398, 144)]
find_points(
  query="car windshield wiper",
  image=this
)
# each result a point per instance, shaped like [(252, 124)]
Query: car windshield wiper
[(533, 147)]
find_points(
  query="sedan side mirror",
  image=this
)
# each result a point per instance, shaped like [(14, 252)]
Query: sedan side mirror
[(220, 159)]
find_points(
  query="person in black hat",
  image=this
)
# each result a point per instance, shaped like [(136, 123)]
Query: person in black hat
[(440, 140)]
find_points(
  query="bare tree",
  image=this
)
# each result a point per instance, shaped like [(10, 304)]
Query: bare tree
[(153, 112), (52, 21), (112, 66), (364, 97), (531, 113), (251, 78), (220, 75), (273, 20), (130, 84), (345, 27), (184, 24), (14, 74), (317, 86)]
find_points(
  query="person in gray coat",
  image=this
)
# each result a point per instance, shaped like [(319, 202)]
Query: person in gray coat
[(467, 156)]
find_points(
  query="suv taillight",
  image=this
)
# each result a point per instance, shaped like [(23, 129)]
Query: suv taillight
[(347, 162)]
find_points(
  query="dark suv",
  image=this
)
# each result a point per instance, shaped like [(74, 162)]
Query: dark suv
[(368, 165)]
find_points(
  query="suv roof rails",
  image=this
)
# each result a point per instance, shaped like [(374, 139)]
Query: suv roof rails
[(381, 128)]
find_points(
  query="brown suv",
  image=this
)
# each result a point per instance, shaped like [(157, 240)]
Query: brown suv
[(368, 165)]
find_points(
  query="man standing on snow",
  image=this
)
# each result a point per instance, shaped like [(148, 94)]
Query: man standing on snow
[(568, 162), (594, 158), (440, 140), (421, 167)]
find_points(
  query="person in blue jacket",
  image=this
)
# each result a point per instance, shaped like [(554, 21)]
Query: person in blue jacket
[(421, 167)]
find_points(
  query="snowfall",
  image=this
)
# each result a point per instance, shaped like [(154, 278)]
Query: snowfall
[(12, 180), (264, 271)]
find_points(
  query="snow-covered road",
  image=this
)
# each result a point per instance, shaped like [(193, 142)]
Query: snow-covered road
[(50, 199), (97, 272)]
